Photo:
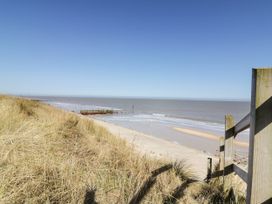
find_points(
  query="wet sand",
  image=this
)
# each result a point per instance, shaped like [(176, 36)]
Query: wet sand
[(208, 136)]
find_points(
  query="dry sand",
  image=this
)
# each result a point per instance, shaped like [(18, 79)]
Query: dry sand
[(147, 144)]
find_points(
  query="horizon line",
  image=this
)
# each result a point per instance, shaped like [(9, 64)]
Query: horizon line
[(135, 97)]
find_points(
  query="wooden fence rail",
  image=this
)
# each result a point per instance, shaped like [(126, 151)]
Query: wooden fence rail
[(259, 120), (242, 125)]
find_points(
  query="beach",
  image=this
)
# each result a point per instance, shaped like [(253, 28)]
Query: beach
[(159, 148), (153, 130), (184, 122)]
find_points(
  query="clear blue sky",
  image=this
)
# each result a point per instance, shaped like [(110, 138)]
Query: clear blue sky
[(149, 48)]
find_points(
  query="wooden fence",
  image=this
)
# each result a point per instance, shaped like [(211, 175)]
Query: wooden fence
[(259, 120)]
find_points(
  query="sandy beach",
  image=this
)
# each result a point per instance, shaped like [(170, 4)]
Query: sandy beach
[(156, 147)]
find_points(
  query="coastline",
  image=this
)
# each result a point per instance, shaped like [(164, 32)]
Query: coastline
[(167, 148)]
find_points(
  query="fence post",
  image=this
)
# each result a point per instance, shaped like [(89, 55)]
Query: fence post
[(228, 147), (221, 153), (259, 189), (229, 136), (209, 169)]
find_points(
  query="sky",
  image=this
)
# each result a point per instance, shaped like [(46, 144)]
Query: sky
[(133, 48)]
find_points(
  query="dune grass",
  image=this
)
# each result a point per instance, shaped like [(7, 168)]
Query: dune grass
[(51, 156)]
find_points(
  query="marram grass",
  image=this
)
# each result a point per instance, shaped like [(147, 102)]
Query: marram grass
[(51, 156)]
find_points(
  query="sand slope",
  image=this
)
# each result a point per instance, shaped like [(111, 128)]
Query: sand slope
[(156, 147)]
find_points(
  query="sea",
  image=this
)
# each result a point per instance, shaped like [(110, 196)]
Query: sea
[(160, 117)]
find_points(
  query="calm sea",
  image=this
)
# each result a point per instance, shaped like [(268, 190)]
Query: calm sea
[(159, 117), (202, 110)]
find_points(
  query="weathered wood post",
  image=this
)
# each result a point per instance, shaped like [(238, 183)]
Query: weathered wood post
[(221, 157), (221, 153), (229, 136), (209, 169), (228, 148), (259, 189)]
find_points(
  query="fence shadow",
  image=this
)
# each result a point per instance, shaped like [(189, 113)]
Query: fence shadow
[(147, 185), (89, 197), (267, 201), (178, 192)]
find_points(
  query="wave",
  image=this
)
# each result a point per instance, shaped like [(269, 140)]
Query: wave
[(157, 118), (159, 114), (168, 121)]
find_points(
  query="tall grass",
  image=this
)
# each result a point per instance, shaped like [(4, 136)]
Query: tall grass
[(51, 156)]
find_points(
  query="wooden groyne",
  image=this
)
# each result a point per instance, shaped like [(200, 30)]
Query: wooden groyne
[(97, 112)]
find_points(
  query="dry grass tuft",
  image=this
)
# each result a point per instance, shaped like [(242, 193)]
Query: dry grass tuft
[(209, 193), (27, 107), (184, 171), (235, 187)]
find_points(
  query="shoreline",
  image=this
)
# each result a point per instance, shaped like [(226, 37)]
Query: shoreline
[(161, 148)]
